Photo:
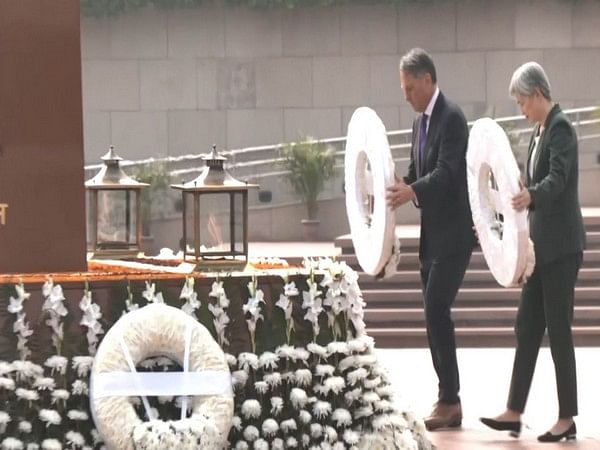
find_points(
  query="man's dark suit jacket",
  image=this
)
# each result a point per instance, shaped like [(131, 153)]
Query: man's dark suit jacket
[(555, 222), (440, 184)]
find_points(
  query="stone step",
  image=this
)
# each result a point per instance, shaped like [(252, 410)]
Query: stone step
[(472, 337), (465, 316), (467, 297), (473, 278)]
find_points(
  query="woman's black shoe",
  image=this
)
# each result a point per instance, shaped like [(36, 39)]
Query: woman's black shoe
[(503, 425), (568, 435)]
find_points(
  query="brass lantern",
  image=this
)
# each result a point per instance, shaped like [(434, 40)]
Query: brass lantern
[(215, 217), (114, 210)]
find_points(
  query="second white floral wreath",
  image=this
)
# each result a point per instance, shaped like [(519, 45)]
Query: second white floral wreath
[(493, 180), (154, 330)]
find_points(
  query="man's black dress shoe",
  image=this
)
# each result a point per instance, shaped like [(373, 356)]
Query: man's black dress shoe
[(568, 435), (503, 425)]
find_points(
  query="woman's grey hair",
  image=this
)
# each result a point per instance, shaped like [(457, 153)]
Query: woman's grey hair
[(527, 79), (417, 63)]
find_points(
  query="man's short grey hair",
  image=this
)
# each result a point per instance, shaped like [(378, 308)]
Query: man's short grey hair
[(417, 63), (527, 79)]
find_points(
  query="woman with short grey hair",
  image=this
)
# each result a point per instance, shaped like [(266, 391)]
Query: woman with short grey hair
[(556, 229)]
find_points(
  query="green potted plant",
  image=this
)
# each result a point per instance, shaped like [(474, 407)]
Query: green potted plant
[(309, 164)]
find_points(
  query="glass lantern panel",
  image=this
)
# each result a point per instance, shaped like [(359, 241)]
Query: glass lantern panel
[(116, 218), (238, 214), (215, 224), (90, 219), (188, 237)]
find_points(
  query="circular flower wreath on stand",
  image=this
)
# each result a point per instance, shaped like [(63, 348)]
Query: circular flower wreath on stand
[(369, 171), (154, 330), (493, 180)]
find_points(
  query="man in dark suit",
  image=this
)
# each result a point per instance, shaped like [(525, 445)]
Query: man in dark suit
[(437, 184)]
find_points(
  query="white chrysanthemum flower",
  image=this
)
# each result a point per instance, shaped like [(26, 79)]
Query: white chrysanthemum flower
[(261, 444), (351, 437), (268, 360), (303, 377), (347, 363), (5, 368), (324, 370), (60, 395), (27, 369), (273, 379), (44, 384), (330, 434), (381, 422), (300, 354), (25, 426), (298, 398), (236, 422), (75, 439), (251, 409), (285, 351), (7, 383), (364, 411), (367, 361), (251, 433), (231, 360), (270, 427), (83, 365), (291, 442), (317, 350), (321, 409), (357, 375), (288, 425), (384, 406), (342, 417), (334, 384), (4, 421), (370, 397), (26, 394), (248, 360), (316, 430), (57, 363), (241, 445), (356, 345), (304, 417), (239, 377), (50, 417), (79, 387), (385, 391), (372, 383), (305, 440), (51, 444), (339, 446), (77, 415), (277, 444), (276, 405), (11, 443), (320, 389), (262, 387), (338, 347)]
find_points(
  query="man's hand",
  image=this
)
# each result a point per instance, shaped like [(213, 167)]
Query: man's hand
[(399, 194), (522, 200)]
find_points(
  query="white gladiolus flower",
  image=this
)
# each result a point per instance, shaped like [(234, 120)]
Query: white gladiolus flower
[(75, 439), (303, 377), (44, 384), (286, 305), (298, 398), (316, 430), (25, 426), (50, 417), (335, 384), (323, 370), (51, 444), (270, 427), (276, 405), (273, 379), (342, 417), (268, 360), (77, 415), (321, 409), (251, 433), (11, 443), (290, 289), (7, 383), (151, 295), (262, 387), (305, 417), (251, 409), (288, 425), (83, 365), (351, 437)]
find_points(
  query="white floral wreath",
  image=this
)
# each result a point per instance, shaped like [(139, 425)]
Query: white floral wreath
[(503, 232), (158, 329), (369, 171)]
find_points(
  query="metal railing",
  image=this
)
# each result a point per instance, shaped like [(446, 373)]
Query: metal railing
[(260, 164)]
